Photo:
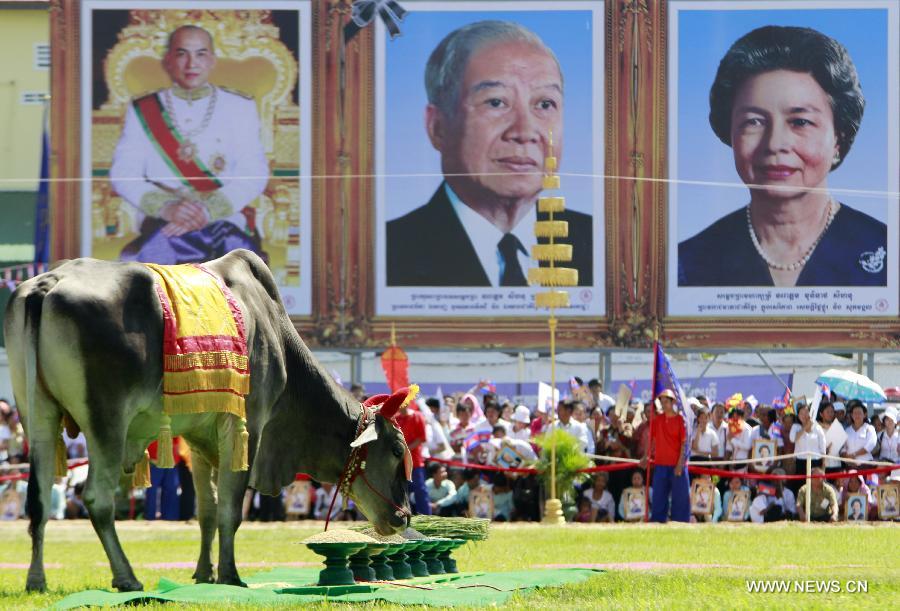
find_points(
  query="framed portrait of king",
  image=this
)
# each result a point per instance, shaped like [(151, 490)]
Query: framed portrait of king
[(784, 131), (468, 103), (196, 134)]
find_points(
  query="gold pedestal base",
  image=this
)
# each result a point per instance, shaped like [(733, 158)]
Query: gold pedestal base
[(553, 514)]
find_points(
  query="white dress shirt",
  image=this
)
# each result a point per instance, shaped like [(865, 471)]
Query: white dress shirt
[(722, 432), (578, 430), (864, 438), (485, 236), (813, 441), (761, 504), (707, 440), (757, 433), (230, 146)]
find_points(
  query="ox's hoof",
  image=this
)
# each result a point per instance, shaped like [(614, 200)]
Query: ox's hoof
[(129, 584), (203, 576), (36, 584)]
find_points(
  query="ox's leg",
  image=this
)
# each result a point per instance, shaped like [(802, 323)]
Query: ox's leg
[(231, 487), (206, 513), (107, 449), (42, 454)]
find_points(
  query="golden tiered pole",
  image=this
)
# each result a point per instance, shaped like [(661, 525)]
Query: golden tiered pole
[(552, 276)]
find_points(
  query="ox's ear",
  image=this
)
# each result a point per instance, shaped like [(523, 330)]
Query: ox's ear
[(370, 434), (398, 400)]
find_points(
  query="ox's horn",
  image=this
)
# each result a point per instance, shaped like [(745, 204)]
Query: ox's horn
[(369, 434), (398, 401)]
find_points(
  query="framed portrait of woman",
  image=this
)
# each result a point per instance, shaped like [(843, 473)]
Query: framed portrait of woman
[(737, 506), (763, 450), (447, 160), (783, 159), (298, 500), (888, 501), (702, 499), (855, 508), (635, 505), (190, 159)]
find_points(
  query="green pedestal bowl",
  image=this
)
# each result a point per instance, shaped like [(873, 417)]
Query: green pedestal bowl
[(430, 555), (336, 571), (380, 562), (414, 557), (445, 555), (397, 561), (361, 561)]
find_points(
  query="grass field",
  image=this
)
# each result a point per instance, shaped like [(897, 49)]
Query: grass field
[(673, 566)]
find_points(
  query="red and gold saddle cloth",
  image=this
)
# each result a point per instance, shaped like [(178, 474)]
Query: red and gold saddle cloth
[(205, 362)]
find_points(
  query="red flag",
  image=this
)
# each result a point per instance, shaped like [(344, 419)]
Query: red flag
[(396, 368)]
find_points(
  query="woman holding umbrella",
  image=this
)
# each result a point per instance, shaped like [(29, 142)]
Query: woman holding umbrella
[(861, 438)]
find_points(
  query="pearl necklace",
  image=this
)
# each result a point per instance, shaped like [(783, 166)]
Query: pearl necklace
[(789, 267)]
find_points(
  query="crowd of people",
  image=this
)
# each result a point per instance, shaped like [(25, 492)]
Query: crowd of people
[(468, 449)]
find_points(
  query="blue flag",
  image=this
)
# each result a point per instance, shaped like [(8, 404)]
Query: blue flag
[(42, 208), (663, 378)]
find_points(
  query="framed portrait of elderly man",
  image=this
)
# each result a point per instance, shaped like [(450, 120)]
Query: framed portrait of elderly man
[(855, 508), (764, 451), (783, 159), (197, 134), (470, 100)]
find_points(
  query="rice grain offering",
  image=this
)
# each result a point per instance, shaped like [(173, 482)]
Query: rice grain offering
[(340, 535), (369, 530)]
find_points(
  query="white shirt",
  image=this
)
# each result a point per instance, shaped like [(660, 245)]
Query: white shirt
[(864, 438), (578, 430), (523, 435), (707, 439), (604, 502), (722, 432), (761, 504), (485, 236), (741, 444), (813, 441), (889, 446), (230, 146)]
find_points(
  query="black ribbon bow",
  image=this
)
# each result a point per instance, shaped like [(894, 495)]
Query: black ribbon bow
[(363, 13)]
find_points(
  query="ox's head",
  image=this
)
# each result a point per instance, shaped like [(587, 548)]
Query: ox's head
[(381, 464)]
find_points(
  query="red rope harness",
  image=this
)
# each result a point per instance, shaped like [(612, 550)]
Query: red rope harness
[(356, 467)]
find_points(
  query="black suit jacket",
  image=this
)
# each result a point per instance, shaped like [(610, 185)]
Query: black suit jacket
[(430, 247)]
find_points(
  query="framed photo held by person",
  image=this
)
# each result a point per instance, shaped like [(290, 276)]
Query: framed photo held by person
[(702, 498), (481, 503), (738, 505), (888, 501), (298, 500), (856, 508), (635, 504), (764, 450)]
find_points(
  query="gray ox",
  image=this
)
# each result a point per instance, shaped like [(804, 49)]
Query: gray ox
[(85, 339)]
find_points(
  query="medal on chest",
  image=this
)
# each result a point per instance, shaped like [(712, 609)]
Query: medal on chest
[(187, 150)]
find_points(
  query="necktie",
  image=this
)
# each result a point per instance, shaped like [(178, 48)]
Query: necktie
[(512, 274)]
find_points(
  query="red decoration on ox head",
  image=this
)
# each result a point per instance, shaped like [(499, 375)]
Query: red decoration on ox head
[(398, 400)]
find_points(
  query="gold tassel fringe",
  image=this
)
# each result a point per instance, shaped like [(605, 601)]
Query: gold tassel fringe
[(551, 182), (206, 379), (550, 163), (560, 253), (240, 450), (552, 299), (553, 276), (164, 458), (61, 463), (551, 204), (141, 477), (551, 229), (210, 402), (413, 391)]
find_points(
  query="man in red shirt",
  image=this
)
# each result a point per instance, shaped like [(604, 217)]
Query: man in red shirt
[(667, 449), (412, 424)]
